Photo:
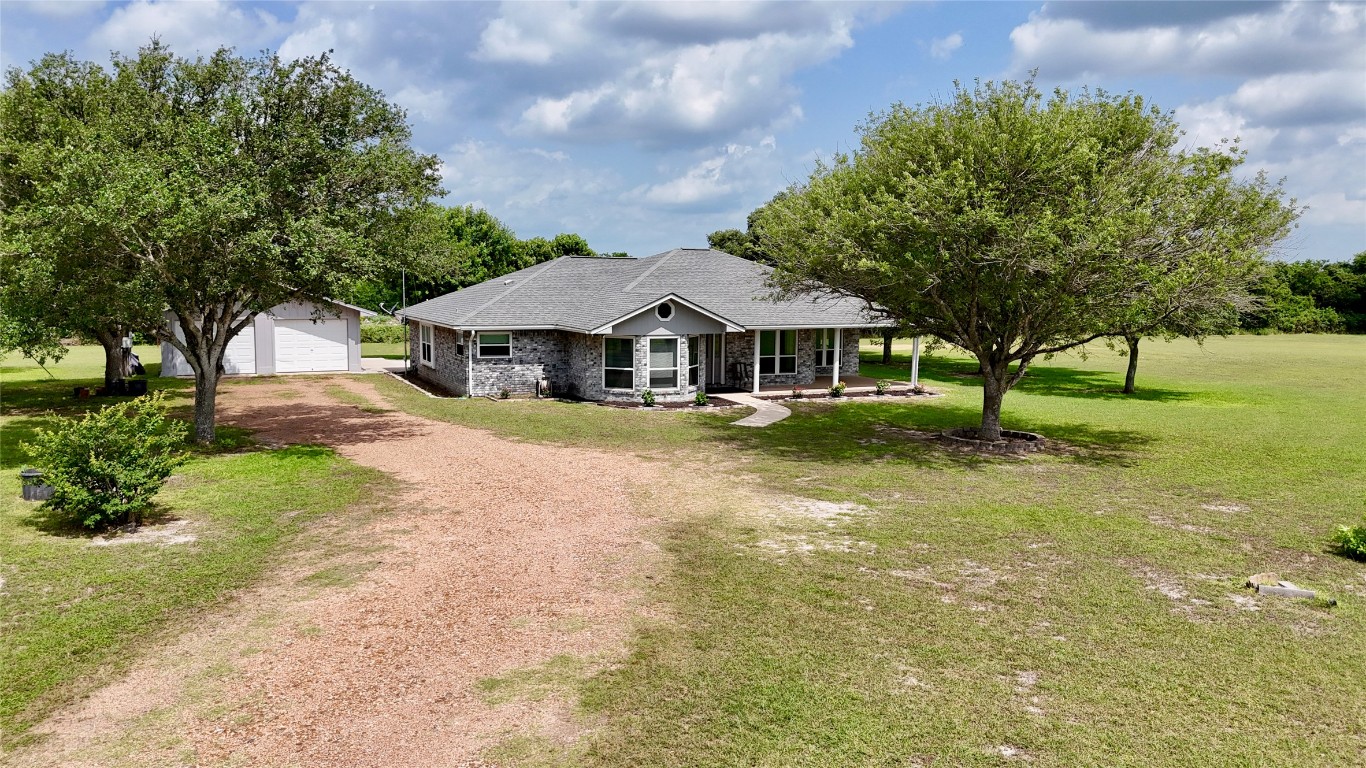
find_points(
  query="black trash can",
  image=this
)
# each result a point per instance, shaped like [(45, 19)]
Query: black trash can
[(34, 487)]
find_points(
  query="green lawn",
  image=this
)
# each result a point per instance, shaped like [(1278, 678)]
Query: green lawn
[(392, 351), (1083, 607), (73, 615)]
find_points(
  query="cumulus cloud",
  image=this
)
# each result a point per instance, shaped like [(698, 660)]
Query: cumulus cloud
[(188, 28), (714, 183), (943, 47), (1285, 38), (662, 72)]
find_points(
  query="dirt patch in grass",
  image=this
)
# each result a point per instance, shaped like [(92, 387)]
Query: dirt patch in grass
[(498, 557)]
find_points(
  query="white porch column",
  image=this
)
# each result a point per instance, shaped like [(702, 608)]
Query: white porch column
[(835, 375), (756, 362), (915, 361)]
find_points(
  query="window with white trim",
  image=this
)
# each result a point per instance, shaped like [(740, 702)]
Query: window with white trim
[(426, 347), (664, 311), (777, 352), (495, 345), (825, 347), (663, 363), (618, 362), (694, 359)]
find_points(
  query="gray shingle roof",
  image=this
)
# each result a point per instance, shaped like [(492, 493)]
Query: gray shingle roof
[(585, 293)]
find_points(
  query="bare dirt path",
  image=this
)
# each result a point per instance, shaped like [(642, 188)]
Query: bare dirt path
[(497, 556)]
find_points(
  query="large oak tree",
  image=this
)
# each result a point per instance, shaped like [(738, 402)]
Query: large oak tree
[(235, 184), (1015, 226)]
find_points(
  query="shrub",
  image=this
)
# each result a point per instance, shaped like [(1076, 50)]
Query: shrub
[(377, 332), (796, 393), (504, 393), (1351, 540), (837, 389), (106, 466), (648, 397), (882, 386), (700, 398)]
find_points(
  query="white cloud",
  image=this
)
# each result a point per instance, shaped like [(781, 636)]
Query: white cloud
[(1284, 38), (715, 182), (661, 73), (188, 28), (943, 47)]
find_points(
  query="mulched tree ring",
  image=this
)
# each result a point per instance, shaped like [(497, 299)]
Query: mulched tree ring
[(1011, 441)]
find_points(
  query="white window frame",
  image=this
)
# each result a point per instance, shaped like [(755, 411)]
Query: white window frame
[(665, 305), (480, 344), (778, 357), (631, 340), (426, 345), (825, 347), (649, 362)]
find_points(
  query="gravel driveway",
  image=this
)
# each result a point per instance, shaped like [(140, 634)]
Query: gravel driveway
[(498, 556)]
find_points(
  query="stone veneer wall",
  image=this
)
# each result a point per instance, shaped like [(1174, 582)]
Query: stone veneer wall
[(572, 362), (450, 368), (535, 354), (740, 349)]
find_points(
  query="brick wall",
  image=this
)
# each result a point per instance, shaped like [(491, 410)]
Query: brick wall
[(535, 354), (449, 368)]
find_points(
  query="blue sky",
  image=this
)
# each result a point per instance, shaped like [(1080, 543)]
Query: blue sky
[(644, 126)]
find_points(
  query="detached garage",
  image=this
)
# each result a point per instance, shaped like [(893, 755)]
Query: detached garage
[(286, 340)]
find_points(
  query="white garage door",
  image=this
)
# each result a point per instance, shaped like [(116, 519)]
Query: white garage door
[(240, 356), (303, 345)]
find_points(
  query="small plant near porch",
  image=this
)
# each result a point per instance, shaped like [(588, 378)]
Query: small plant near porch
[(700, 399), (837, 389), (797, 392), (648, 398)]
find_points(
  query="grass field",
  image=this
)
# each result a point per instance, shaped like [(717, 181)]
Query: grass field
[(1083, 607), (72, 614), (1078, 607)]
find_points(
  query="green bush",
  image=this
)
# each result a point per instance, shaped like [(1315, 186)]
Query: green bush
[(106, 466), (700, 398), (648, 397), (882, 386), (377, 332), (1351, 540), (838, 389)]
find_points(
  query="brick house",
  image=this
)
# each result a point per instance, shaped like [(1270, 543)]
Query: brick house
[(610, 328)]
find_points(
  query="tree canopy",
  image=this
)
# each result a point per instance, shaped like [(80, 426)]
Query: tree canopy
[(1014, 225), (465, 246), (229, 184)]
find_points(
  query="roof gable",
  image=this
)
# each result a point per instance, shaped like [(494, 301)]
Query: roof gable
[(588, 294)]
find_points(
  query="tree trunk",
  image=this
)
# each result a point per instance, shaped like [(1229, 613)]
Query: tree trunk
[(205, 397), (993, 392), (114, 363), (886, 347), (1133, 364)]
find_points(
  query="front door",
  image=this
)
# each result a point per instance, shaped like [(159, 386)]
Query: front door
[(716, 360)]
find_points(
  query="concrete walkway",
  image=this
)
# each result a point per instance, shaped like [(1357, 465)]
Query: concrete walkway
[(765, 412), (381, 364)]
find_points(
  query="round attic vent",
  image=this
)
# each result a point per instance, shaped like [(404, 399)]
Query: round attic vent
[(664, 311)]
